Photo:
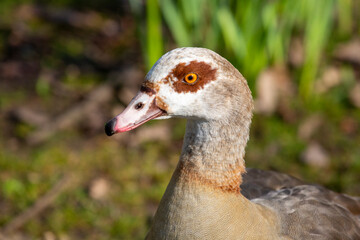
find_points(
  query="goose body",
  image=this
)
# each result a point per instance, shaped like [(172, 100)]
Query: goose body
[(203, 199)]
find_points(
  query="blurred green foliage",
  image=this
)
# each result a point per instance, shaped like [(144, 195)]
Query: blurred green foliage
[(252, 34)]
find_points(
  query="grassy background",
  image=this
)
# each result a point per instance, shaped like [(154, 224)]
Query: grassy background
[(54, 55)]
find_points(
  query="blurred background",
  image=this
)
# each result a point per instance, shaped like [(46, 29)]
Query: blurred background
[(68, 66)]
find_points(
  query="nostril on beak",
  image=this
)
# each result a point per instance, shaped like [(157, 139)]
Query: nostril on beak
[(109, 127), (139, 106)]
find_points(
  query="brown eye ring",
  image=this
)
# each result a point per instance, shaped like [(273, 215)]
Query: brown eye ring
[(191, 78)]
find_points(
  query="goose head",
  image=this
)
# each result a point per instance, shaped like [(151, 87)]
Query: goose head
[(192, 83)]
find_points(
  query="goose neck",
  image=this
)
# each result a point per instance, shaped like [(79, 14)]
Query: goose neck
[(213, 154)]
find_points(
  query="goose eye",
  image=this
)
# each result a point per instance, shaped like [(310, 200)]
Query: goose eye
[(191, 78)]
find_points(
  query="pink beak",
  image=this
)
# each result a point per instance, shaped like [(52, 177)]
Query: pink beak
[(141, 109)]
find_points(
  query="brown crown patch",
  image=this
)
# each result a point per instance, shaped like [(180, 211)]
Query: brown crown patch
[(203, 70)]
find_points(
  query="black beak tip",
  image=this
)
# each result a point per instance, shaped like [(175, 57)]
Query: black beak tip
[(109, 127)]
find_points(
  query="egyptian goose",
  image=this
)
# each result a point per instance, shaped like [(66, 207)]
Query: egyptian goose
[(203, 199)]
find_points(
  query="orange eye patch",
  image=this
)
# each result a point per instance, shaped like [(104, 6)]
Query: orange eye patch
[(181, 70), (191, 78)]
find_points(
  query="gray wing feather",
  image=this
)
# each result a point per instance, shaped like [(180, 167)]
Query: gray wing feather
[(305, 211)]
